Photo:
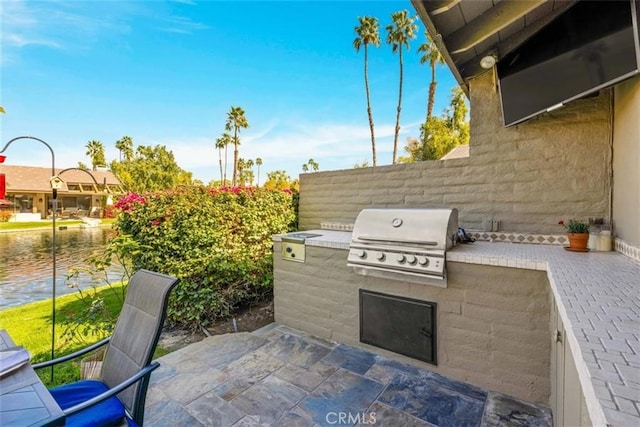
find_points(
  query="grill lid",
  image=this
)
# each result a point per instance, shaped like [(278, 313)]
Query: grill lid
[(422, 227)]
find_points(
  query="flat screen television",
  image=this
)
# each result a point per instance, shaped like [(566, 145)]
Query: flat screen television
[(592, 45)]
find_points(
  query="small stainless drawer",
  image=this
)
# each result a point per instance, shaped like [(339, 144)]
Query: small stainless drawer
[(293, 246), (293, 251)]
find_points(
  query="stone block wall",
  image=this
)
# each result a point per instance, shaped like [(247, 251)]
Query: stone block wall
[(528, 176), (493, 322)]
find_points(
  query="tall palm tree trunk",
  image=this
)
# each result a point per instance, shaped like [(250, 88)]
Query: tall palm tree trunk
[(226, 160), (235, 157), (432, 91), (366, 85), (397, 131), (220, 162)]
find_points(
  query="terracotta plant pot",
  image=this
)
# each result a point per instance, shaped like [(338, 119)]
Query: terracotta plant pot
[(578, 240)]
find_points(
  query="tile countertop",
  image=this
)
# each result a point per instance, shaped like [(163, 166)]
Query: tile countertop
[(326, 239), (598, 298)]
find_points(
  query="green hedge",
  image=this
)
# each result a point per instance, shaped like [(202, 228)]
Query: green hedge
[(216, 241)]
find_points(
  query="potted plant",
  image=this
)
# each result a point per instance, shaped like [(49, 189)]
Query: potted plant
[(578, 235)]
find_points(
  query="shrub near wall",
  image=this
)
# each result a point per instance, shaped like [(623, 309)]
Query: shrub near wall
[(216, 241)]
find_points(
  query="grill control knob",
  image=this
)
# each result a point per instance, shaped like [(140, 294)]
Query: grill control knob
[(381, 256), (401, 259), (360, 253), (289, 249), (423, 261), (411, 259)]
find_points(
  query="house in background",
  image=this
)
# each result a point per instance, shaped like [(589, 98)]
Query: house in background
[(83, 193), (459, 152)]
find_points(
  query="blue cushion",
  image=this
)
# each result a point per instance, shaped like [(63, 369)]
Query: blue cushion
[(106, 413)]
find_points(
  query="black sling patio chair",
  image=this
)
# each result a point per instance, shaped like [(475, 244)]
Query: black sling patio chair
[(120, 392)]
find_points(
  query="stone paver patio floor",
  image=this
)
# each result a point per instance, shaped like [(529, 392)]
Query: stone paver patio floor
[(279, 376)]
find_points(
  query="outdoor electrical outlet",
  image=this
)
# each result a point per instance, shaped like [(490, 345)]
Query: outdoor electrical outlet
[(490, 224)]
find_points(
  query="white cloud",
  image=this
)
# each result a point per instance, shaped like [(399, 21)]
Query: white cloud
[(77, 25), (20, 26), (19, 41), (281, 146), (182, 25)]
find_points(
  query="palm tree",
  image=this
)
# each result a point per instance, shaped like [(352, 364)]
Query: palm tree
[(236, 120), (125, 146), (249, 164), (432, 55), (241, 170), (368, 34), (259, 163), (220, 144), (399, 33), (313, 165), (95, 151), (224, 141)]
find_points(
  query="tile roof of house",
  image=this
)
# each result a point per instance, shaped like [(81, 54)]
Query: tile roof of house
[(30, 178), (457, 152)]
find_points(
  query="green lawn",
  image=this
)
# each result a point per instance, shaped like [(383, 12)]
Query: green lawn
[(30, 326), (46, 224)]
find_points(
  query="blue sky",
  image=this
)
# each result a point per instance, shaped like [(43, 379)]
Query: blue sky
[(167, 72)]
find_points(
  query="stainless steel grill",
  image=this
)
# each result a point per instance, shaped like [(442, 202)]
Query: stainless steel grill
[(403, 244)]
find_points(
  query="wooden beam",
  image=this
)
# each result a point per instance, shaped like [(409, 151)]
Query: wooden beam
[(437, 38), (511, 43), (472, 67), (489, 23), (436, 7)]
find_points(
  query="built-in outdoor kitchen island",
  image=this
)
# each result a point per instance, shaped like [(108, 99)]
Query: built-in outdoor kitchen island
[(528, 320), (521, 316)]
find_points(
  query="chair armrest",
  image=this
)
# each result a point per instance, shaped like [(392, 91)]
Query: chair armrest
[(72, 355), (146, 371)]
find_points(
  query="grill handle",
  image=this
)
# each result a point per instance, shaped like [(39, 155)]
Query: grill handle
[(424, 331), (374, 239)]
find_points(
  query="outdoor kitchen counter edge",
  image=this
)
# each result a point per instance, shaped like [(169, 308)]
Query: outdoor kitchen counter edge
[(597, 294)]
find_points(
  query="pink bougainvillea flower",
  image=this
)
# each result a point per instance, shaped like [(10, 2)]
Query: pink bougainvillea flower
[(128, 201)]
